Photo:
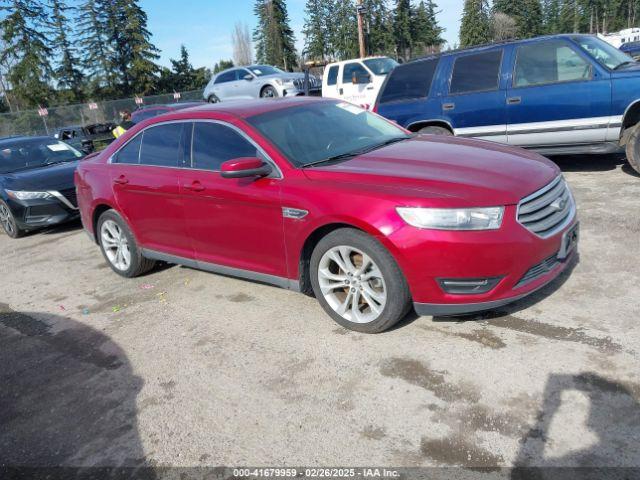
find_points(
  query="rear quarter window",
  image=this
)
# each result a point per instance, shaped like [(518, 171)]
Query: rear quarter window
[(479, 72), (332, 76), (410, 81)]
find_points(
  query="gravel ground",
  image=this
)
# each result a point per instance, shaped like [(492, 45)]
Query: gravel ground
[(186, 368)]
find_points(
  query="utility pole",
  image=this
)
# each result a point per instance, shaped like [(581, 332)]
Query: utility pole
[(360, 8)]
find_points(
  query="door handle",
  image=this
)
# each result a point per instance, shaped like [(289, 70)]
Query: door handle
[(448, 106), (195, 186), (513, 100), (370, 88), (340, 91), (121, 180)]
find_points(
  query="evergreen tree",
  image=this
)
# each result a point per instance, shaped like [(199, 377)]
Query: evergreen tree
[(379, 28), (402, 28), (27, 48), (425, 31), (343, 30), (96, 56), (222, 65), (67, 73), (315, 30), (183, 73), (527, 14), (475, 27), (275, 43)]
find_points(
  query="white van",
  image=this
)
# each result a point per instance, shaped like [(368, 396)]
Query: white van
[(357, 81)]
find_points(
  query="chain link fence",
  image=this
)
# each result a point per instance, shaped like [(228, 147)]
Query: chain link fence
[(30, 122)]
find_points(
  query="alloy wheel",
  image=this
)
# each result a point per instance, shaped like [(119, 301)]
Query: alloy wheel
[(115, 245), (6, 219), (268, 92), (352, 284)]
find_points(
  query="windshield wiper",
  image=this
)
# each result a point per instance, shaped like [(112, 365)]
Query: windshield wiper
[(355, 153), (624, 64)]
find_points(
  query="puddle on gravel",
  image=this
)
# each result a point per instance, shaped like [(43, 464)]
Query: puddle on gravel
[(483, 336), (455, 450)]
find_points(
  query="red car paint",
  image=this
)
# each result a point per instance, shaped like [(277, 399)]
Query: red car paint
[(239, 223)]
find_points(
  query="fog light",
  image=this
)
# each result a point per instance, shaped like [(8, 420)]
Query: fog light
[(468, 286)]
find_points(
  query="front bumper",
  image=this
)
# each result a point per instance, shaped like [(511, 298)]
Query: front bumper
[(523, 261), (39, 213)]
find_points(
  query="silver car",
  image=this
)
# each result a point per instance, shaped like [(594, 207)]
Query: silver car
[(258, 81)]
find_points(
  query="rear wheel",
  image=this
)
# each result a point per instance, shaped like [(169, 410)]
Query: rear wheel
[(434, 130), (8, 221), (213, 99), (357, 281), (119, 246), (268, 92), (633, 148)]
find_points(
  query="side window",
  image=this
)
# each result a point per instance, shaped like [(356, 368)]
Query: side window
[(409, 81), (130, 153), (332, 77), (227, 77), (214, 144), (549, 62), (476, 73), (351, 69), (162, 145)]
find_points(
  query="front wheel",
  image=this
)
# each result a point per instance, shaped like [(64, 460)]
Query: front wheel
[(357, 281), (213, 99), (633, 148), (8, 221), (119, 246), (268, 92)]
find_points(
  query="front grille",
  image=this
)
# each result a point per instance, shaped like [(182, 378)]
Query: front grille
[(548, 210), (70, 194), (314, 83), (538, 270)]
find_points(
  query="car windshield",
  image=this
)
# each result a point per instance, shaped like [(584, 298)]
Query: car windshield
[(605, 54), (380, 66), (260, 70), (26, 154), (325, 131)]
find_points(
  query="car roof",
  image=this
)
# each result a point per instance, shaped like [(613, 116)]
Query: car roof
[(486, 46), (13, 139)]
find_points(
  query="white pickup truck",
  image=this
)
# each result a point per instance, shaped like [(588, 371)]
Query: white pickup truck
[(357, 81)]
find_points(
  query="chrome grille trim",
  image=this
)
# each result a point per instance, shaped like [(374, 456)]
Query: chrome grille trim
[(539, 211), (539, 270)]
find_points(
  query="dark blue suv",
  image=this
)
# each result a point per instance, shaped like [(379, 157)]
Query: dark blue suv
[(555, 94)]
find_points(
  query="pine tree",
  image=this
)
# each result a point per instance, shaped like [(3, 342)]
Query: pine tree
[(475, 27), (96, 56), (379, 28), (222, 65), (527, 14), (27, 48), (402, 28), (343, 30), (315, 30), (183, 72), (275, 43), (425, 31), (67, 73)]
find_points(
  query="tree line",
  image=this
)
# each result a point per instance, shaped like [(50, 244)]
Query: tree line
[(53, 53), (505, 19)]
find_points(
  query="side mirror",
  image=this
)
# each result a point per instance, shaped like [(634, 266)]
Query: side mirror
[(248, 77), (245, 167)]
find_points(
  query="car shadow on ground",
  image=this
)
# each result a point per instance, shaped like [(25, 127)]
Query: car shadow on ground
[(67, 396), (606, 416), (594, 163)]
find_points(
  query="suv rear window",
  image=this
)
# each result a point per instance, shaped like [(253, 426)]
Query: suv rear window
[(476, 73), (409, 81)]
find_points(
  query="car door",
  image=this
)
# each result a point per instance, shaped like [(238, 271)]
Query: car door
[(145, 175), (233, 223), (556, 96), (246, 88), (225, 86), (475, 102), (355, 83), (330, 87)]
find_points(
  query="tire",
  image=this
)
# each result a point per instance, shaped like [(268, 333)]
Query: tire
[(213, 99), (390, 284), (433, 130), (137, 264), (268, 92), (632, 148), (8, 221)]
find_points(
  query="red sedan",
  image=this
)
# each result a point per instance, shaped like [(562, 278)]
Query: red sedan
[(323, 197)]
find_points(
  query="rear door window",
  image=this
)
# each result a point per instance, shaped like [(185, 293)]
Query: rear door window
[(214, 144), (163, 145), (130, 153), (479, 72), (227, 77), (410, 81), (332, 76), (549, 62)]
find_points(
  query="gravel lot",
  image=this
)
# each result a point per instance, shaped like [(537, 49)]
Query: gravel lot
[(187, 368)]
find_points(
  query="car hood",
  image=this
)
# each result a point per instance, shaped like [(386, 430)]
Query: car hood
[(450, 170), (52, 177)]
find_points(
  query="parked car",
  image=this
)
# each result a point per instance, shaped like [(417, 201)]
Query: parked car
[(556, 94), (322, 196), (85, 137), (154, 110), (258, 81), (632, 49), (36, 183), (357, 81)]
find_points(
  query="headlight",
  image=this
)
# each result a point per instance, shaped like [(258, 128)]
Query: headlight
[(453, 218), (20, 195)]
